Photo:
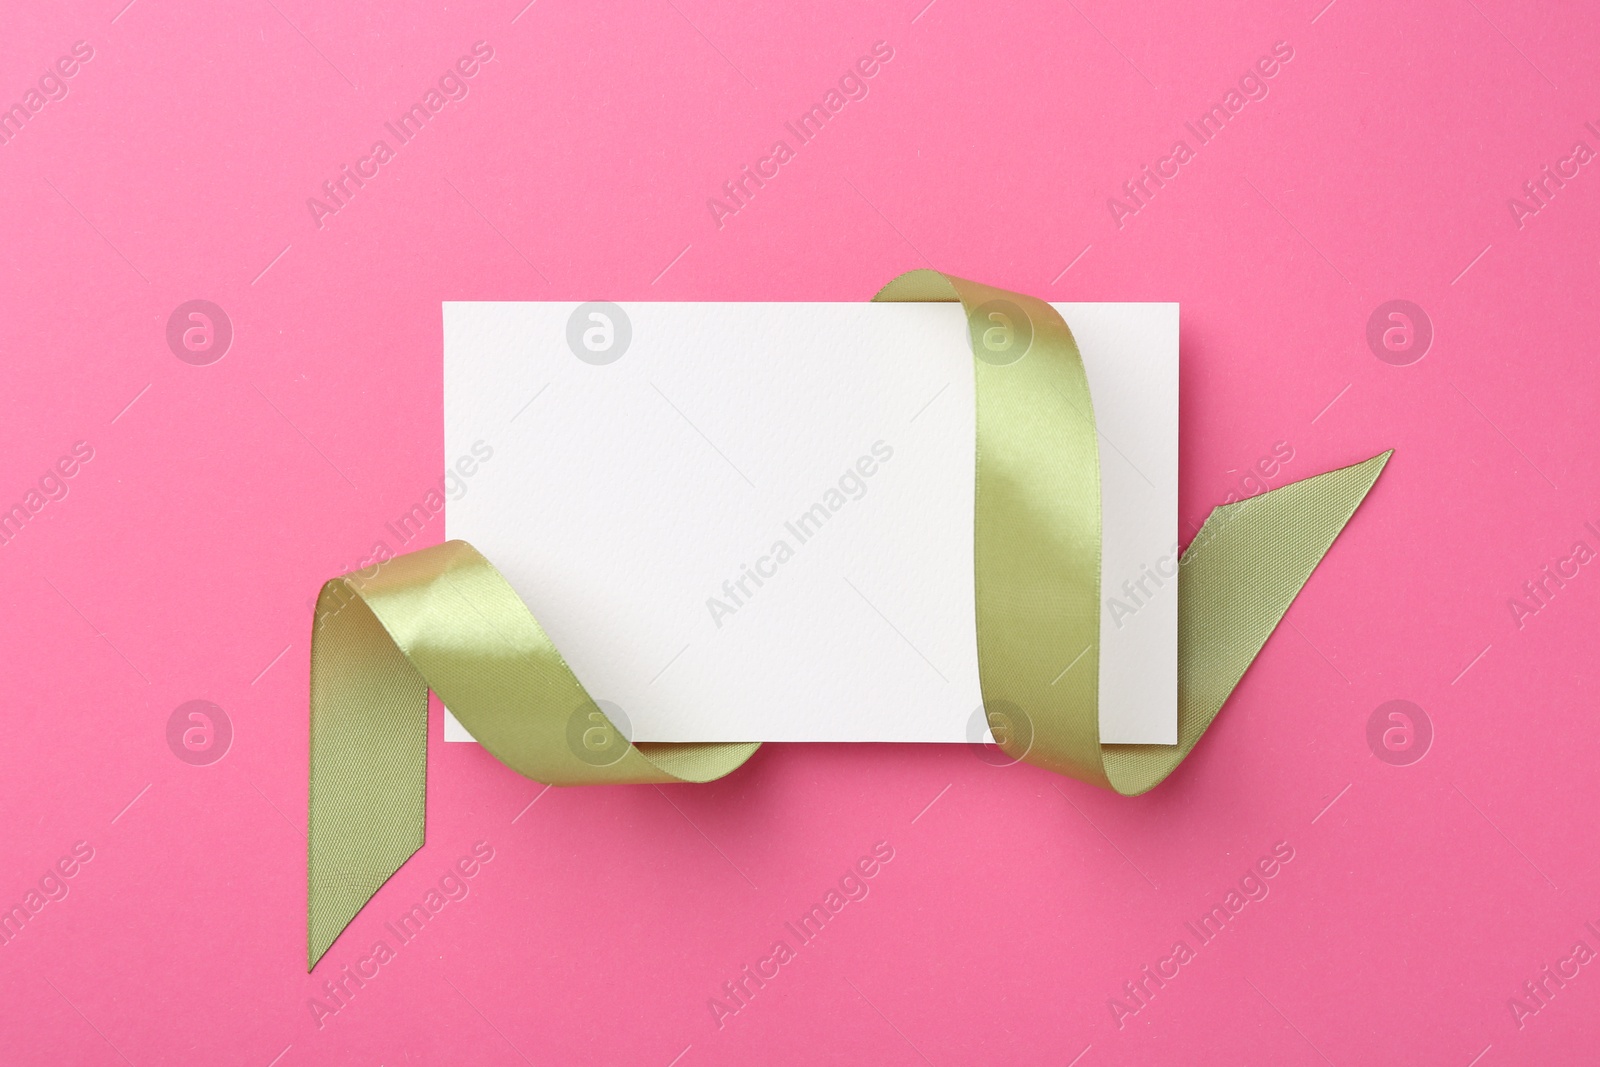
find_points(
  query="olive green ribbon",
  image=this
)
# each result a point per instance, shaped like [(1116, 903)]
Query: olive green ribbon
[(443, 618)]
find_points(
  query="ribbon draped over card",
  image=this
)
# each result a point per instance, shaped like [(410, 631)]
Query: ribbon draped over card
[(443, 618)]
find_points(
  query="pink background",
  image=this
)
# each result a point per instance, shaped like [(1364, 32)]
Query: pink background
[(1420, 898)]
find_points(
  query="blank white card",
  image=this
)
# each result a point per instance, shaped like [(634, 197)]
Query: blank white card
[(753, 521)]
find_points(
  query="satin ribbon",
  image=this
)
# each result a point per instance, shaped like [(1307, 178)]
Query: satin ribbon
[(444, 619)]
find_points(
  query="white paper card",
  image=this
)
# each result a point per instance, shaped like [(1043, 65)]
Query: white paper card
[(753, 521)]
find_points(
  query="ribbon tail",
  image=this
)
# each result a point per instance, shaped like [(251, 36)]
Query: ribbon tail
[(1235, 582), (369, 761), (443, 618)]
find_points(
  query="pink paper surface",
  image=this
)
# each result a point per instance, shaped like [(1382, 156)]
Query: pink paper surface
[(1381, 164)]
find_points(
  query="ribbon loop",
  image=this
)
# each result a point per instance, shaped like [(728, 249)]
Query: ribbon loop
[(1036, 532)]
